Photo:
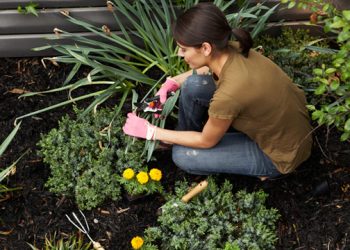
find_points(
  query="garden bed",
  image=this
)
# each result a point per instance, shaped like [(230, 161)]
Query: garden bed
[(313, 201)]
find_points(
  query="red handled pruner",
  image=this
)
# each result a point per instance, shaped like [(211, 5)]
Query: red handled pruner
[(151, 104)]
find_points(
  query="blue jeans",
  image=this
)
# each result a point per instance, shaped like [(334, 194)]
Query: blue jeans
[(236, 153)]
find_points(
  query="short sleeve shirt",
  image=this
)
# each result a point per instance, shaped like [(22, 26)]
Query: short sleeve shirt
[(266, 105)]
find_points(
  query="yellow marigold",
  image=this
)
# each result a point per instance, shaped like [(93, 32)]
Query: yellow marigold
[(136, 242), (142, 177), (128, 174), (155, 174)]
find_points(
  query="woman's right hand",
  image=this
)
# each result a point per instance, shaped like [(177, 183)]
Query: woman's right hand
[(170, 85)]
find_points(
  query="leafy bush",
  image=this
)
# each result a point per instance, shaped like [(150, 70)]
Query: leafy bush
[(87, 154), (289, 51), (215, 219), (332, 78)]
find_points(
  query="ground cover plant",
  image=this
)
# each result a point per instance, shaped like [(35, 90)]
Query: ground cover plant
[(215, 219), (87, 154), (309, 201)]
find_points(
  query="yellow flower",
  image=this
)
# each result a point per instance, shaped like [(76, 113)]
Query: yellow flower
[(136, 242), (128, 174), (142, 177), (155, 174)]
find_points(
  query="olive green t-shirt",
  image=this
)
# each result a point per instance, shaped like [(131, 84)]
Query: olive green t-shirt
[(265, 105)]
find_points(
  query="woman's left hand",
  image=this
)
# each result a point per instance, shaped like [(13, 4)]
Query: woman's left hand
[(139, 127)]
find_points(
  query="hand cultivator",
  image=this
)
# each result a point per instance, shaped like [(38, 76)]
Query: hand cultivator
[(187, 197), (84, 229), (194, 191)]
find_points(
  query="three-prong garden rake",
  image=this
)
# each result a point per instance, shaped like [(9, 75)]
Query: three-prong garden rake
[(84, 229)]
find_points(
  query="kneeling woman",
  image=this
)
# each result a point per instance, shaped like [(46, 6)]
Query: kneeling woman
[(239, 113)]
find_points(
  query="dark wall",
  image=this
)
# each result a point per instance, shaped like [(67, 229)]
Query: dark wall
[(20, 33)]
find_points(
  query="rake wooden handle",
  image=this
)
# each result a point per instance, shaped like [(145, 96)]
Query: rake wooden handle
[(194, 191), (97, 245)]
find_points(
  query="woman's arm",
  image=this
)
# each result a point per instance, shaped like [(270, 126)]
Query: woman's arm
[(180, 79), (212, 133)]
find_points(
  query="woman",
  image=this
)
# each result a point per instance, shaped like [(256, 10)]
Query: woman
[(239, 113)]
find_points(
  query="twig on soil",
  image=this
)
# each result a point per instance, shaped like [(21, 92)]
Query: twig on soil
[(60, 201), (329, 243), (336, 203), (322, 151), (296, 233), (122, 210)]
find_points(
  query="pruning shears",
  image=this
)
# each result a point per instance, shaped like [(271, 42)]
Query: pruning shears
[(151, 104)]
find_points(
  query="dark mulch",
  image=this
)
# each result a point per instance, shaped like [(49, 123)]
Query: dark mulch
[(313, 201)]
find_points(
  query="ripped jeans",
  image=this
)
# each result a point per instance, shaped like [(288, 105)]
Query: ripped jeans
[(236, 153)]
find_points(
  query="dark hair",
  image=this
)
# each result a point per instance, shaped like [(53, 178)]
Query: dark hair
[(205, 22)]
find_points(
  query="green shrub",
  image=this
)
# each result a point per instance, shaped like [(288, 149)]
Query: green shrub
[(215, 219), (289, 51), (86, 155), (332, 78)]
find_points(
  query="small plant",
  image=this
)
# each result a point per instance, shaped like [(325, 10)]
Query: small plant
[(136, 242), (30, 8), (215, 219), (143, 182), (87, 154), (73, 242)]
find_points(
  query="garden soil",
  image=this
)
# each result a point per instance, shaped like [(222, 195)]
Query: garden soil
[(313, 201)]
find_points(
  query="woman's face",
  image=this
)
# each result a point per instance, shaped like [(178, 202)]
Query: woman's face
[(194, 57)]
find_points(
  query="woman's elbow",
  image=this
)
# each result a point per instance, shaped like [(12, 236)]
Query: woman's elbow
[(205, 143)]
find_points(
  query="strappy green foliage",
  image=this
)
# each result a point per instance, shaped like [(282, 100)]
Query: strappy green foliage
[(121, 61), (7, 171)]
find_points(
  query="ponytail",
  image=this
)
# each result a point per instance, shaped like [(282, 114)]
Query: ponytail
[(244, 39)]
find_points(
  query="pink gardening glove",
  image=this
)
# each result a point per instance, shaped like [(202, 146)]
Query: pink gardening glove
[(169, 86), (139, 127)]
